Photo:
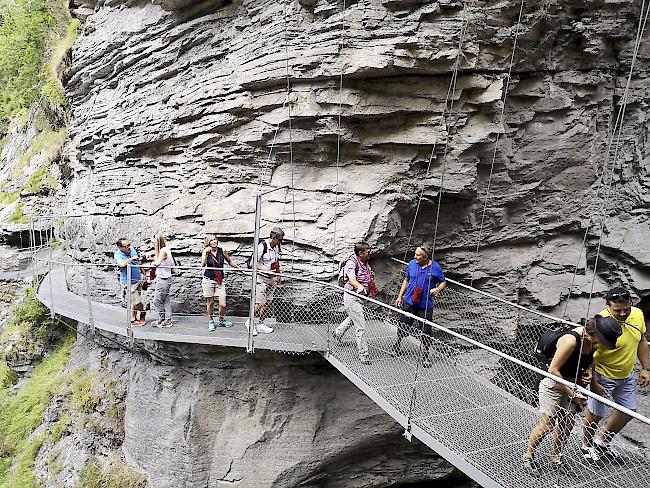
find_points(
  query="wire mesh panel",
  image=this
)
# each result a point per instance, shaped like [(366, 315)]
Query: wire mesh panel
[(459, 379)]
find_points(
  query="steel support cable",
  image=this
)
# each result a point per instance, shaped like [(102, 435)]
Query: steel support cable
[(605, 206), (451, 90), (496, 142), (620, 118), (291, 164), (591, 216), (338, 156)]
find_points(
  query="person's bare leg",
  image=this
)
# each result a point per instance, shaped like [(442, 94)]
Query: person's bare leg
[(222, 307), (210, 308), (538, 433), (615, 422), (589, 428), (565, 423)]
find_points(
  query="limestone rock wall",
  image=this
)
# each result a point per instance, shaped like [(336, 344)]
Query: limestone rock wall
[(179, 108)]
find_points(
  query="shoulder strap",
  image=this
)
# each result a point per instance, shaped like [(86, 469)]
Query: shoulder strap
[(265, 248)]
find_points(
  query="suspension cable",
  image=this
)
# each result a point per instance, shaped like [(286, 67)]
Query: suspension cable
[(496, 142), (338, 139), (451, 90), (621, 114)]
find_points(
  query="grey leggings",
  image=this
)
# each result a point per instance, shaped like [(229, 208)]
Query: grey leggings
[(162, 298)]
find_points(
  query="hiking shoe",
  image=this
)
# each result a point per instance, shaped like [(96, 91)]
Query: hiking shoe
[(606, 450), (365, 360), (396, 350), (264, 329), (590, 454), (561, 467), (225, 323), (211, 326), (531, 466), (248, 326)]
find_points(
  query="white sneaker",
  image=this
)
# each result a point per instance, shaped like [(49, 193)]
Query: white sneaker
[(264, 329), (248, 326)]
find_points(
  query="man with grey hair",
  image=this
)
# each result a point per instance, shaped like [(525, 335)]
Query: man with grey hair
[(268, 260)]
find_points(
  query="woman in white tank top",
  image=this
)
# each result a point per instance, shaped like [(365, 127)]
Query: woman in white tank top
[(163, 260)]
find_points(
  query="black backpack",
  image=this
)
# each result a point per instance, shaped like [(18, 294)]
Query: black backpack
[(547, 344), (265, 247)]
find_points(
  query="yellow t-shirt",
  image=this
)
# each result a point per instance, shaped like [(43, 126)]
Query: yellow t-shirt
[(618, 363)]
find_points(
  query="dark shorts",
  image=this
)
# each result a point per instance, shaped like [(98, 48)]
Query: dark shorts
[(410, 326)]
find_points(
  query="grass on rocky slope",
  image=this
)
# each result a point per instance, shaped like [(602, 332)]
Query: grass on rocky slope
[(35, 36), (22, 412), (112, 475)]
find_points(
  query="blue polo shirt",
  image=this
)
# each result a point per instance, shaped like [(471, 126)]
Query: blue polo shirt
[(419, 276), (136, 275)]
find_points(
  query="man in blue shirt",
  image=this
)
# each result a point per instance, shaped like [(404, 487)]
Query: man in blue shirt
[(423, 282), (127, 255)]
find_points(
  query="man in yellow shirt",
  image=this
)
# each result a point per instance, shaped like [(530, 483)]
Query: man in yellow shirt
[(614, 374)]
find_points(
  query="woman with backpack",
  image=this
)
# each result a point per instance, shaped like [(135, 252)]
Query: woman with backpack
[(566, 353), (163, 261), (212, 260)]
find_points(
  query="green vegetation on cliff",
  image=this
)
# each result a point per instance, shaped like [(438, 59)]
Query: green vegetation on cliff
[(22, 412), (35, 36)]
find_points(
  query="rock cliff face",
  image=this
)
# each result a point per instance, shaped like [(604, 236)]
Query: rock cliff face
[(181, 108)]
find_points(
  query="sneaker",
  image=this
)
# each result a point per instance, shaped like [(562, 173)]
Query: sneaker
[(590, 454), (264, 329), (365, 360), (248, 326), (166, 323), (531, 466), (396, 350), (157, 324), (560, 467), (211, 326), (225, 323), (606, 450), (137, 323)]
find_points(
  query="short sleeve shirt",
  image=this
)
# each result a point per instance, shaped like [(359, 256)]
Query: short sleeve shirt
[(136, 275), (361, 271), (425, 277), (619, 363), (266, 258)]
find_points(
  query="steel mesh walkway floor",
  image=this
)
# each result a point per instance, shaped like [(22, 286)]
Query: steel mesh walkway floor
[(453, 406)]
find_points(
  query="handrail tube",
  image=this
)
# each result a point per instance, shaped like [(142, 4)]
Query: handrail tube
[(468, 340), (502, 300)]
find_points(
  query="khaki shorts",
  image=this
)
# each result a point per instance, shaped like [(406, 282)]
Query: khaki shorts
[(264, 289), (136, 293), (552, 401), (213, 289)]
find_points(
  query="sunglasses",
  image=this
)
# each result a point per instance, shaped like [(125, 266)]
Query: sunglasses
[(615, 297)]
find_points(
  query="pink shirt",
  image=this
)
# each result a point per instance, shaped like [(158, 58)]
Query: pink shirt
[(361, 271)]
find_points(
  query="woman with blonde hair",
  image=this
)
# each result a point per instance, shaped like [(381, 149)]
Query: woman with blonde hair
[(212, 260), (163, 261)]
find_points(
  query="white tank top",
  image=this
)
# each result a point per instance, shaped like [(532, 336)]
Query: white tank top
[(168, 261)]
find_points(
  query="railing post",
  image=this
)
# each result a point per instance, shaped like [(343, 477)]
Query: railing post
[(32, 238), (91, 319), (49, 277), (129, 325), (256, 242)]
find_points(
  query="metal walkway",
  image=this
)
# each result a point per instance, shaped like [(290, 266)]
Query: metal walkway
[(475, 405)]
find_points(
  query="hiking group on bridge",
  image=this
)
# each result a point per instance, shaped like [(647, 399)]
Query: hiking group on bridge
[(600, 354)]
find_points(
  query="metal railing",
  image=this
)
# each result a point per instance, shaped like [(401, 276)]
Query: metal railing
[(477, 366)]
